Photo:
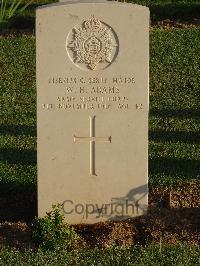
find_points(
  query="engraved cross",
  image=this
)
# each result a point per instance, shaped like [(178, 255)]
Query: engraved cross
[(92, 139)]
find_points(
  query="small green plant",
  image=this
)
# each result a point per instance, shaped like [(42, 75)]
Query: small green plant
[(52, 233), (9, 9)]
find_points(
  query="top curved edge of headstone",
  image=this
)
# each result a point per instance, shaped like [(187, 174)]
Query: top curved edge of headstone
[(103, 2)]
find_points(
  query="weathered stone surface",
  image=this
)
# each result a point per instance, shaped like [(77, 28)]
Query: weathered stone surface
[(92, 89)]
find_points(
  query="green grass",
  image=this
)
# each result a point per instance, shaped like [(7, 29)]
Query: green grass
[(174, 106), (174, 116), (18, 127), (180, 255)]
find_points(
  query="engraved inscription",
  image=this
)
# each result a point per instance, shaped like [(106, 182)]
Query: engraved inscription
[(92, 139), (93, 45), (91, 93)]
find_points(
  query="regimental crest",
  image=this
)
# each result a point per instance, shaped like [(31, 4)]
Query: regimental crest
[(92, 44)]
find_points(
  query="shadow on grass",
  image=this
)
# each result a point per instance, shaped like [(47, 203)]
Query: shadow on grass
[(163, 135), (181, 113), (18, 200), (18, 203), (180, 167), (13, 156), (162, 10), (179, 11), (17, 130)]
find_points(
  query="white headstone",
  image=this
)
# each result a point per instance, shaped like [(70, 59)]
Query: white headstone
[(92, 91)]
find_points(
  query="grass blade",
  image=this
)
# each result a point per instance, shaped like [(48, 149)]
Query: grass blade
[(1, 15), (3, 9), (13, 8), (25, 6)]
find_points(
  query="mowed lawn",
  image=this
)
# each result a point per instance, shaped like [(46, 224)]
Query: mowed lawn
[(180, 255)]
